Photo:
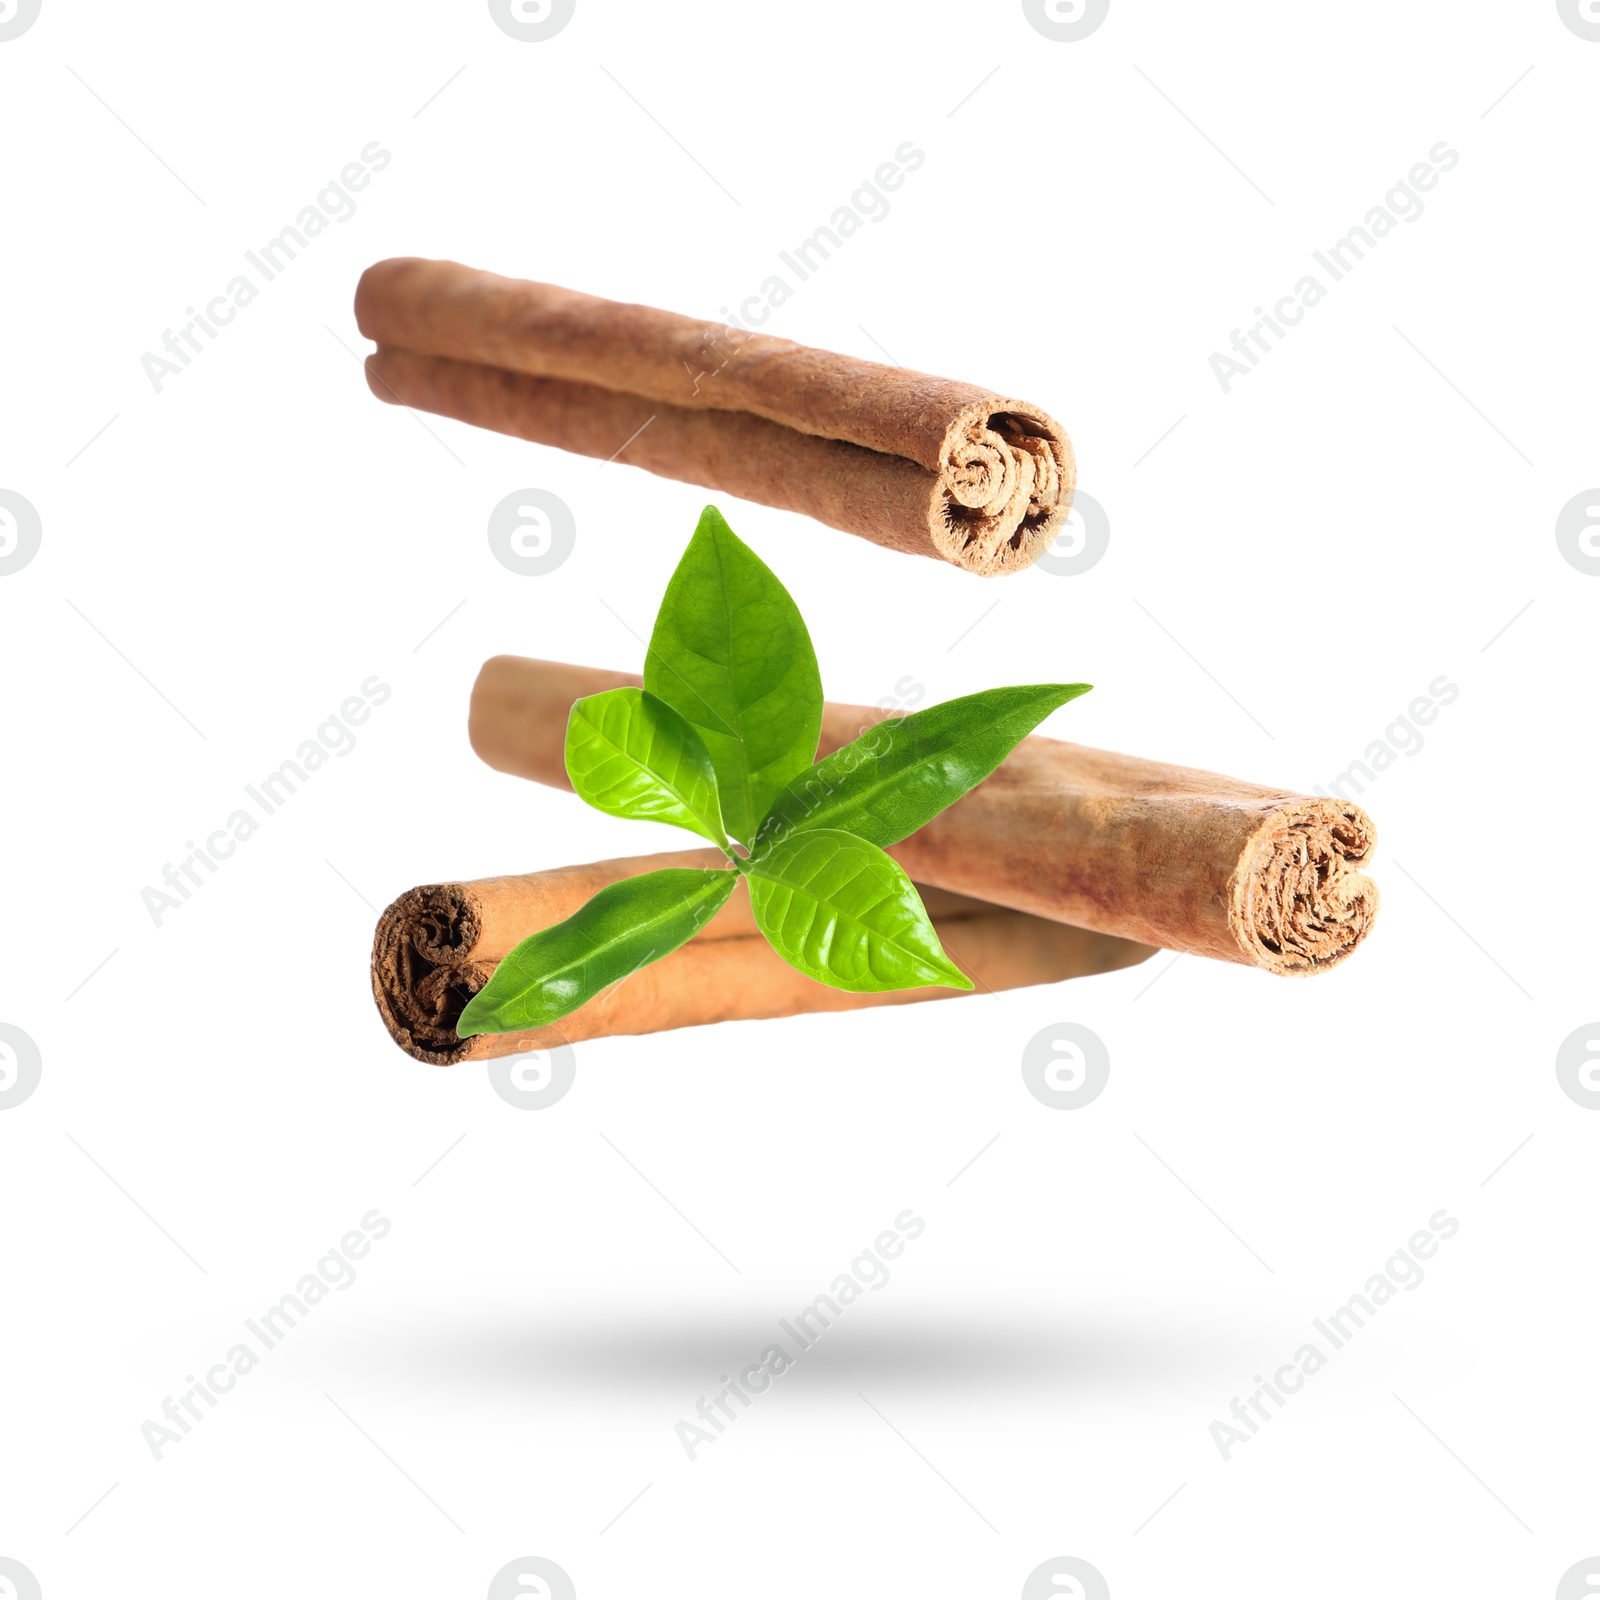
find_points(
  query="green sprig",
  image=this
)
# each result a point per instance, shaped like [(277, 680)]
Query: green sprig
[(721, 740)]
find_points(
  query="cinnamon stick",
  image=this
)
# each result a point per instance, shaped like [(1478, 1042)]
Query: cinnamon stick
[(436, 946), (920, 464), (1165, 855)]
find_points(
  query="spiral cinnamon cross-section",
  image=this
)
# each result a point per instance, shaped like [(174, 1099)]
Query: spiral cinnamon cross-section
[(925, 465), (1299, 902), (422, 970), (1006, 478)]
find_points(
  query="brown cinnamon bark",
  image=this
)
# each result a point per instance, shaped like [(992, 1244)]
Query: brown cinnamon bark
[(1169, 856), (436, 946), (920, 464)]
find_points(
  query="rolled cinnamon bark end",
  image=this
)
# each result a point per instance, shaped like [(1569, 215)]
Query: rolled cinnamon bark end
[(1299, 903), (436, 946), (1006, 478), (920, 464), (422, 970), (1166, 855)]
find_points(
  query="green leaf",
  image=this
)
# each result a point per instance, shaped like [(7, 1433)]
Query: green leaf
[(905, 771), (845, 914), (731, 655), (631, 755), (624, 927)]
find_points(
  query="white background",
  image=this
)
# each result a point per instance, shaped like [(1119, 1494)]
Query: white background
[(1374, 506)]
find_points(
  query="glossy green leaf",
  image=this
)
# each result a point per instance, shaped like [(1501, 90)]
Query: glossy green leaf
[(846, 914), (731, 655), (631, 755), (905, 771), (623, 928)]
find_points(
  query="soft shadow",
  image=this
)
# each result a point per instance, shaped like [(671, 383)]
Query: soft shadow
[(615, 1354)]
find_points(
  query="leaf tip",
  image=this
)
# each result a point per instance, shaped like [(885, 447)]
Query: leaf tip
[(711, 522), (1066, 692), (474, 1018)]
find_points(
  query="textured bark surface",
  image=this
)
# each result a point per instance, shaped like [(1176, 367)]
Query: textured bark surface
[(920, 464)]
